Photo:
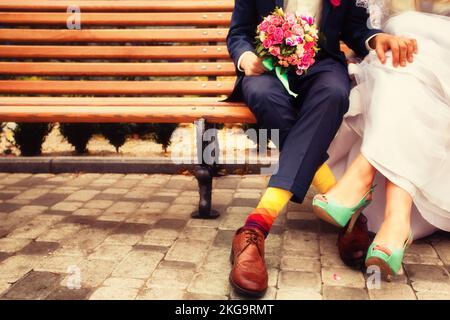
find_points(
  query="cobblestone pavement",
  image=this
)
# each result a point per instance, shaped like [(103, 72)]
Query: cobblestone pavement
[(131, 237)]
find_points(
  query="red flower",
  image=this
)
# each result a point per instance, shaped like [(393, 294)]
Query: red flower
[(335, 3)]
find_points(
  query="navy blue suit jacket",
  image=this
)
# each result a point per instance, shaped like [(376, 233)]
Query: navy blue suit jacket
[(346, 22)]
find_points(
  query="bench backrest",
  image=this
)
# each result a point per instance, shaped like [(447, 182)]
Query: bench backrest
[(124, 48)]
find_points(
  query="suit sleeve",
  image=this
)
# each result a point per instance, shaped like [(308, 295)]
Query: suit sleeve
[(241, 35), (356, 32)]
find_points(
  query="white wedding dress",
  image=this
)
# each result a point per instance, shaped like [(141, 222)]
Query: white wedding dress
[(399, 119)]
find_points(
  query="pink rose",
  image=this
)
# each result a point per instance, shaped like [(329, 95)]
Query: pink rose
[(278, 35), (287, 34), (290, 18), (275, 51), (277, 21), (271, 29), (286, 26), (267, 43), (264, 25), (298, 30)]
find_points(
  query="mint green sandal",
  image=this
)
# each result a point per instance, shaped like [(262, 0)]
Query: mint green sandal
[(333, 212), (387, 259)]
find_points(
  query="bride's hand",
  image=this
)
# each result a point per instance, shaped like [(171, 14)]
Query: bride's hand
[(403, 49)]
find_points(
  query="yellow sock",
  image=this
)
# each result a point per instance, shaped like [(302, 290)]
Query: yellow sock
[(324, 179), (272, 203)]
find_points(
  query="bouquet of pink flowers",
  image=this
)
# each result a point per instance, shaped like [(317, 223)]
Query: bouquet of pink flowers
[(287, 40)]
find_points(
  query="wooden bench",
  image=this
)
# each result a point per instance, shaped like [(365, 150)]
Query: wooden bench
[(81, 72)]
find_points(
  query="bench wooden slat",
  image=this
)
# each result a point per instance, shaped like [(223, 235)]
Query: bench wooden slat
[(119, 19), (115, 52), (118, 5), (125, 114), (118, 101), (117, 87), (114, 35), (118, 69)]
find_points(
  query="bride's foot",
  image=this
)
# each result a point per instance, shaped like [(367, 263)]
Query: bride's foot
[(350, 189), (393, 232), (387, 250)]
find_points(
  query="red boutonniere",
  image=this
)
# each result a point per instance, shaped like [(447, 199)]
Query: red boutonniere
[(335, 3)]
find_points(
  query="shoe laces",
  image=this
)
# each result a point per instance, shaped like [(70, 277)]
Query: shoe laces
[(251, 237)]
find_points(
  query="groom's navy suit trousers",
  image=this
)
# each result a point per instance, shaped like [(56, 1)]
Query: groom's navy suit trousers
[(307, 124)]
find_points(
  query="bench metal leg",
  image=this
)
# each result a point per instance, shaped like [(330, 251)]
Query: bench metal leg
[(204, 172)]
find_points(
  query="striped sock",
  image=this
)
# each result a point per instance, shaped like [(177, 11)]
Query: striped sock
[(272, 203), (324, 179)]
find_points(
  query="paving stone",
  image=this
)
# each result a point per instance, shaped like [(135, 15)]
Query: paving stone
[(294, 294), (175, 224), (431, 286), (123, 239), (93, 272), (258, 182), (98, 204), (209, 223), (344, 293), (224, 238), (138, 264), (4, 286), (122, 209), (39, 248), (342, 277), (160, 237), (154, 207), (200, 296), (392, 291), (429, 295), (273, 244), (420, 272), (235, 218), (123, 282), (115, 191), (34, 228), (217, 260), (300, 244), (299, 280), (88, 212), (34, 286), (223, 199), (110, 252), (83, 195), (188, 250), (13, 244), (210, 283), (158, 293), (269, 295), (300, 264), (183, 211), (32, 194), (57, 264), (443, 249), (15, 267), (171, 278), (87, 239), (67, 206), (64, 293), (114, 293), (4, 256), (198, 233)]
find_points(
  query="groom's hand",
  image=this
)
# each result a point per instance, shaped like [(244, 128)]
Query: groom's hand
[(403, 49), (252, 64)]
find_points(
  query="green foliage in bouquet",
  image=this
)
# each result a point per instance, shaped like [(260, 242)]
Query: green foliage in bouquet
[(115, 133), (78, 134), (29, 137)]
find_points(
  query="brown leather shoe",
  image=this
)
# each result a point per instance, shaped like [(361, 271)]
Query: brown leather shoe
[(248, 275), (353, 245)]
